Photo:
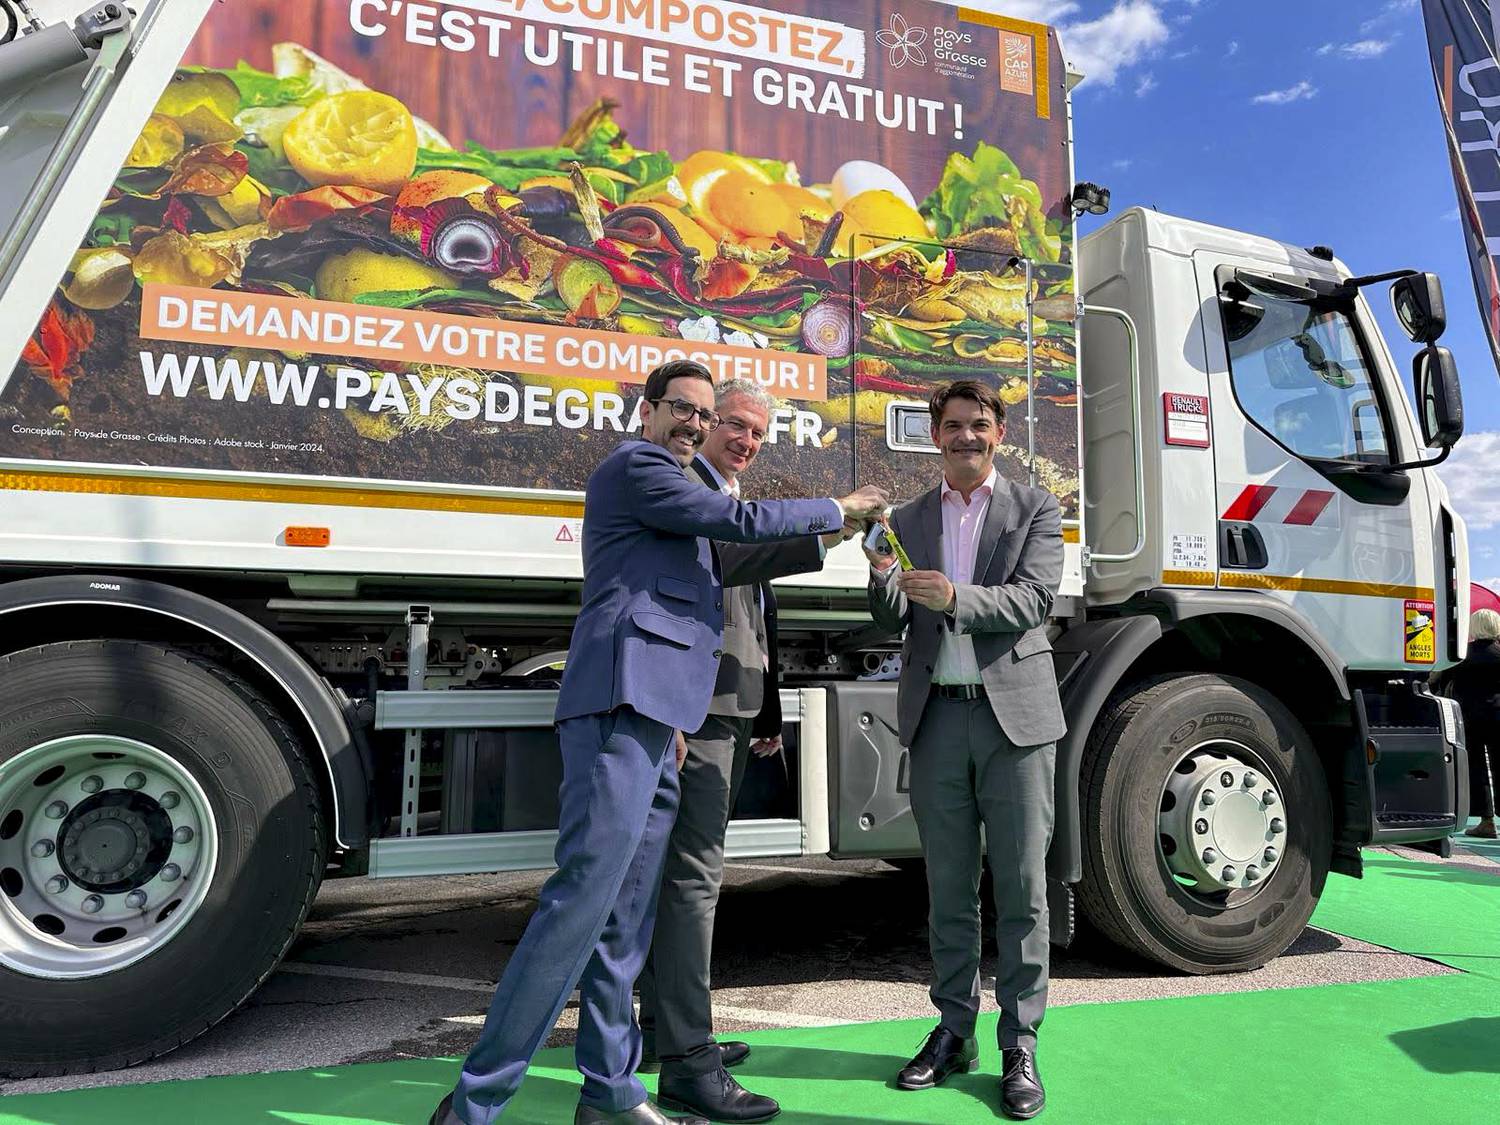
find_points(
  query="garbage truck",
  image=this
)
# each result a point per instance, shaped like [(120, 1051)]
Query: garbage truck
[(317, 318)]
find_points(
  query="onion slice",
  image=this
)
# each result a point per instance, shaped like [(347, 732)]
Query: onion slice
[(828, 328)]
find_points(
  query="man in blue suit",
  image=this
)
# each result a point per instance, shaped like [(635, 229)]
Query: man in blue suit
[(641, 667)]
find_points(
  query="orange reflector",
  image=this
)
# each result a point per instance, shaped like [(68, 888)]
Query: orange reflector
[(307, 537), (1372, 751)]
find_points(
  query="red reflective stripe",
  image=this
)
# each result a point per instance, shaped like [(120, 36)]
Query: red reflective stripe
[(1309, 508), (1247, 504)]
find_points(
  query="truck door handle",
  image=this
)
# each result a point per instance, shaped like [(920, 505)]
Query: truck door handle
[(1242, 546)]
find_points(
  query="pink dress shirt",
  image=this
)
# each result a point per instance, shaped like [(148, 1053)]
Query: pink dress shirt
[(962, 524)]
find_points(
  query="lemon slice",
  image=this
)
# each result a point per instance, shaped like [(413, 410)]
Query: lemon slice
[(359, 138)]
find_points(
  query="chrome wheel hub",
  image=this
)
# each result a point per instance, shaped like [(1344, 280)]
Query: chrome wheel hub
[(1222, 823), (107, 848)]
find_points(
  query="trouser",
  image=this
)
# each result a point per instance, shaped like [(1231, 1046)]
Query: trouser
[(592, 925), (966, 774), (676, 1009), (1484, 770)]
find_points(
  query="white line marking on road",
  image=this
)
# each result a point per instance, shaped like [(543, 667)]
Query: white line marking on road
[(776, 1019), (388, 976)]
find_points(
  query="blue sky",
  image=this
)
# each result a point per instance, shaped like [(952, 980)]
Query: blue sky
[(1310, 121)]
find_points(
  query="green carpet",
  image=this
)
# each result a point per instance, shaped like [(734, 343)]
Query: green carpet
[(1354, 1052)]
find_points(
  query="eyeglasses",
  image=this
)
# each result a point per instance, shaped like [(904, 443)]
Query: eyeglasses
[(682, 410)]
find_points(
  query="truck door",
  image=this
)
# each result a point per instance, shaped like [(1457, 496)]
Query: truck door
[(1304, 419), (1302, 422)]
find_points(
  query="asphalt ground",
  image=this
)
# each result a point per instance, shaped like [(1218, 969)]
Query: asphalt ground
[(403, 968)]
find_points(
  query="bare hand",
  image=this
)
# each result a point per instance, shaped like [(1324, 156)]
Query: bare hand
[(927, 587), (850, 529), (866, 503), (766, 747), (681, 749), (880, 562)]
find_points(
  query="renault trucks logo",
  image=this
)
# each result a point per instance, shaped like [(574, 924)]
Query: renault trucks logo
[(903, 42)]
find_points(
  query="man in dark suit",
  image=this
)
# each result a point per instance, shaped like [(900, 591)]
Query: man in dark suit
[(642, 663), (676, 1010), (978, 706)]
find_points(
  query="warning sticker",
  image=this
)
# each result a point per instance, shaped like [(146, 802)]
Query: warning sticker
[(1190, 552), (569, 532), (1420, 632)]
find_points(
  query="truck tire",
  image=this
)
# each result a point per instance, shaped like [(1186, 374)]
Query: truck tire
[(1207, 824), (161, 840)]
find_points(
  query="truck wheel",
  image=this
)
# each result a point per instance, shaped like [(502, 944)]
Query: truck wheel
[(1207, 836), (161, 841)]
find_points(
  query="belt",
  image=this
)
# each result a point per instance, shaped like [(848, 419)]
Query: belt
[(958, 691)]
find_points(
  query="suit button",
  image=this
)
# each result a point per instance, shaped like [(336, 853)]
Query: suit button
[(718, 605), (929, 669), (718, 652)]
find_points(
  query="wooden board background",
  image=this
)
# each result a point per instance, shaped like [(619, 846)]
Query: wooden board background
[(507, 102)]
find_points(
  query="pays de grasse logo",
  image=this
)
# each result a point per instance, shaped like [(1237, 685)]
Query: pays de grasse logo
[(903, 42)]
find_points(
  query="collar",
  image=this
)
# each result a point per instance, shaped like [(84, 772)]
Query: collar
[(987, 488), (719, 482)]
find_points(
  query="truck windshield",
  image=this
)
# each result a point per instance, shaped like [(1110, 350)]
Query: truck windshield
[(1300, 374)]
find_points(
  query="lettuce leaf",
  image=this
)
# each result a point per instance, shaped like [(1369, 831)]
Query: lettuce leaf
[(977, 191), (259, 88)]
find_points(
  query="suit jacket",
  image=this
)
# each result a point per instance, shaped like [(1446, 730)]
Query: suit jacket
[(647, 636), (1017, 569), (749, 680)]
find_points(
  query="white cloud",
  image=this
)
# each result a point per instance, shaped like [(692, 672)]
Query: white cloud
[(1360, 49), (1125, 35), (1122, 164), (1472, 481), (1300, 92), (1451, 216), (1393, 10), (1145, 85), (1040, 11), (1232, 48)]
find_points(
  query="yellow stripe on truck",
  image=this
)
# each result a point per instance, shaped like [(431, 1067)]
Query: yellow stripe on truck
[(1244, 580), (1285, 583), (172, 487)]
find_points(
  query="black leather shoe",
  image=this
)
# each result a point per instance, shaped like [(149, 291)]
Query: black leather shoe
[(943, 1054), (730, 1054), (444, 1114), (1021, 1093), (716, 1095), (643, 1114)]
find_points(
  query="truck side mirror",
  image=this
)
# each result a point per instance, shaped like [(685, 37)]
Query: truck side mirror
[(1418, 302), (1439, 400)]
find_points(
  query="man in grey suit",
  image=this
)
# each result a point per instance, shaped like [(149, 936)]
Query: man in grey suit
[(978, 706), (676, 1010)]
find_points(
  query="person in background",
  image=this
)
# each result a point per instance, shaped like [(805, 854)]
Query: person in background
[(745, 714), (1475, 683), (641, 667)]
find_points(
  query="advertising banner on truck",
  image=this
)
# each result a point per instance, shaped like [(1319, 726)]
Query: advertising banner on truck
[(444, 241), (1461, 39)]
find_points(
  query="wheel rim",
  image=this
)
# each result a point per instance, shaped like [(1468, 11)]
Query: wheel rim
[(1222, 825), (107, 848)]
